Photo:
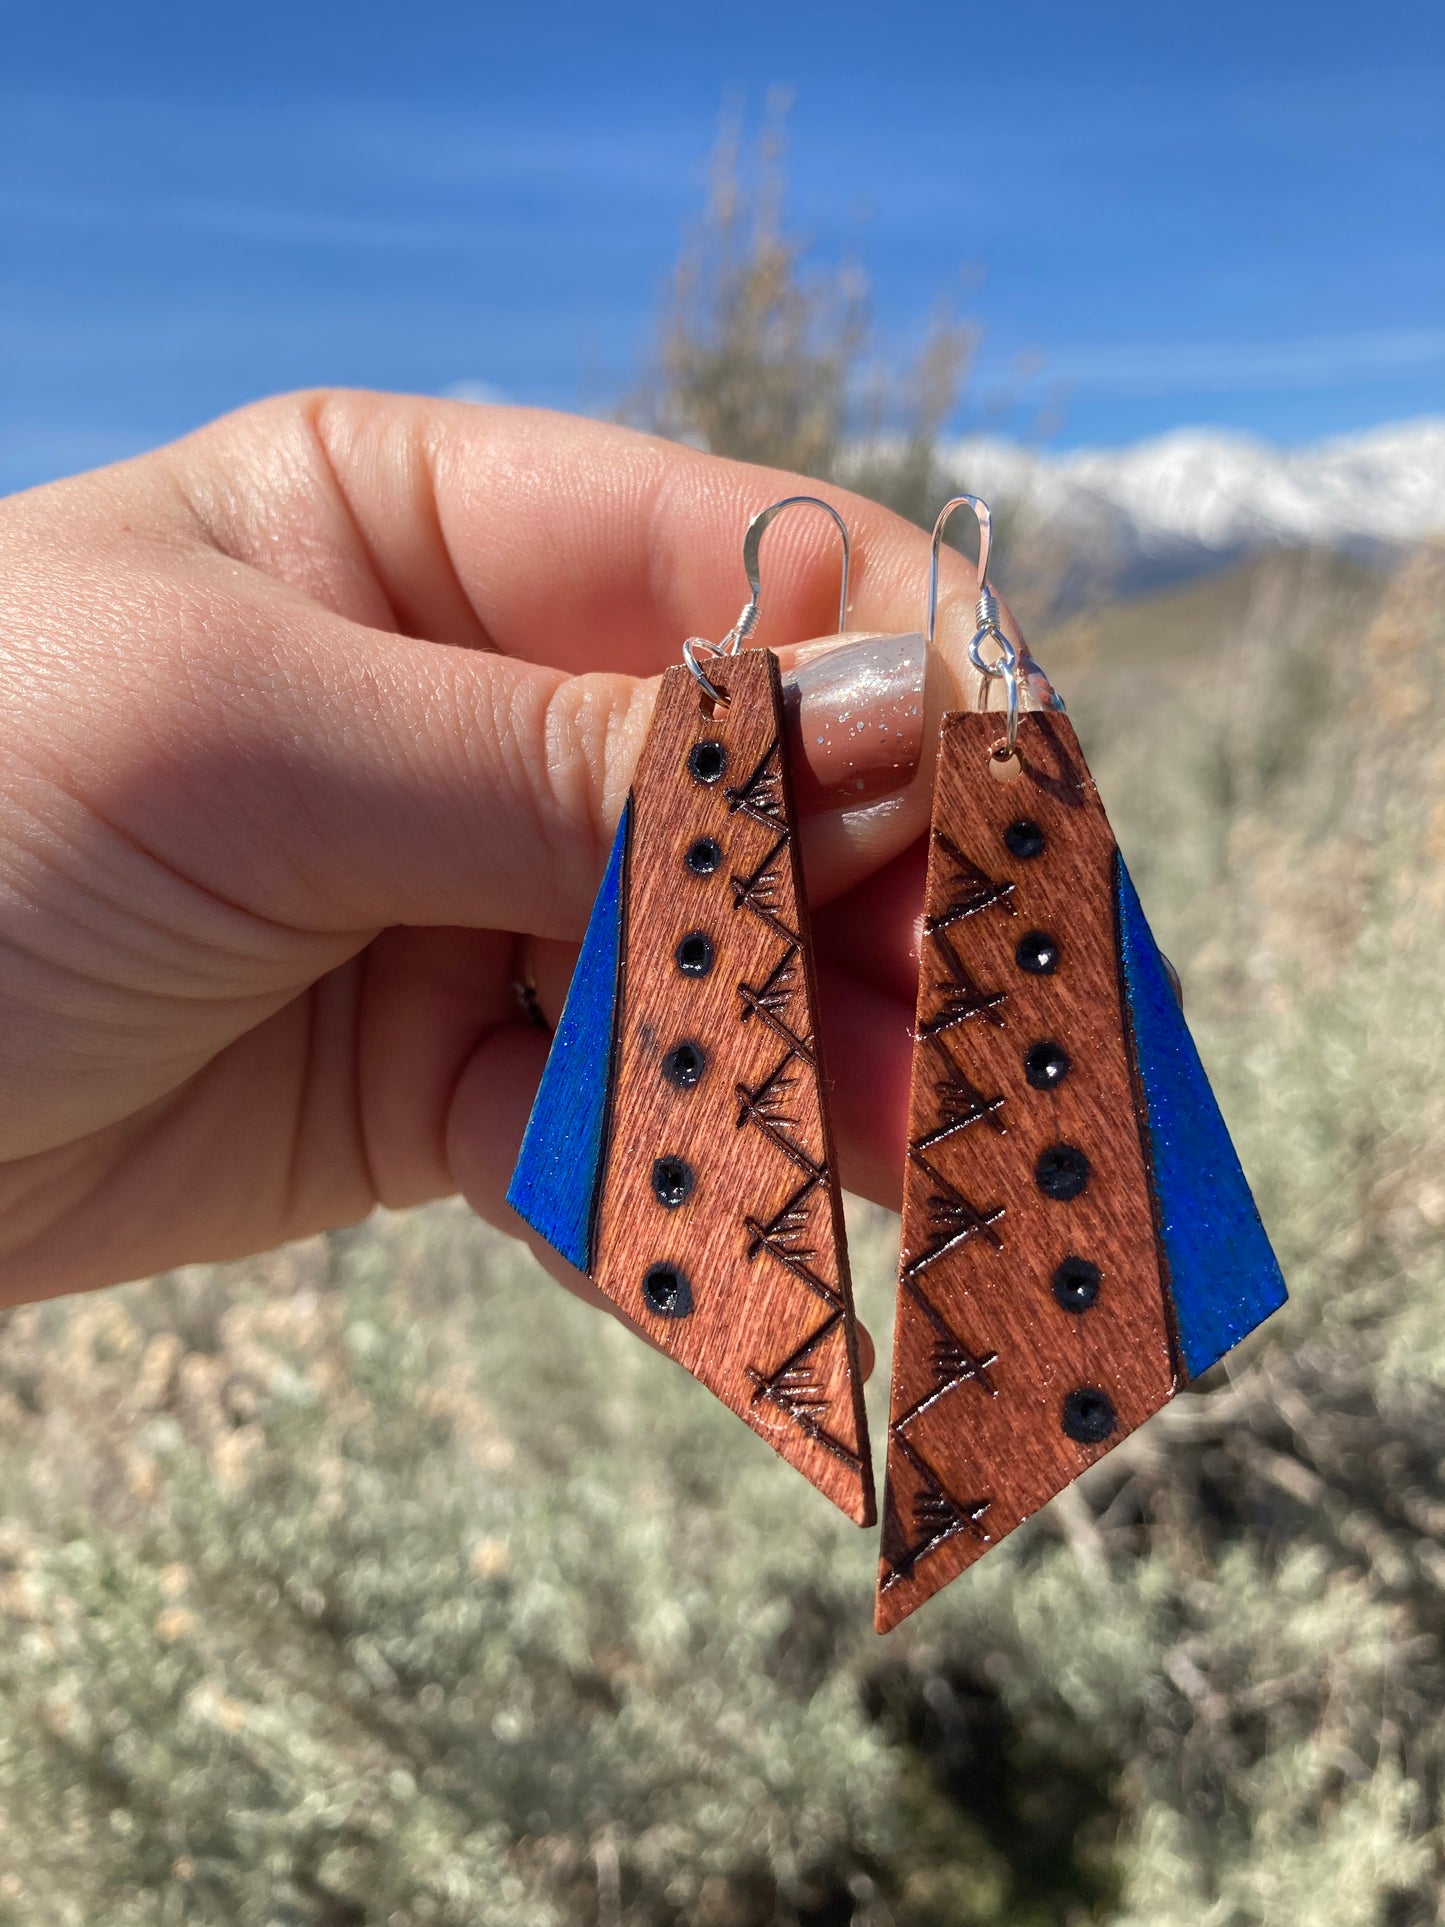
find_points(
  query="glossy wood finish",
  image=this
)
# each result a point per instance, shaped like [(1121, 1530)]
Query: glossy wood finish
[(719, 1226), (1025, 1152)]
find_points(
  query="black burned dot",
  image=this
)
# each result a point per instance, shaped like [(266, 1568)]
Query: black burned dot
[(1025, 838), (667, 1291), (693, 955), (1046, 1065), (1061, 1172), (1037, 953), (706, 762), (1076, 1284), (1088, 1415), (684, 1065), (672, 1182), (703, 857)]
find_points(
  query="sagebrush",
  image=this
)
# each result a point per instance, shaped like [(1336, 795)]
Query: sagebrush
[(379, 1582)]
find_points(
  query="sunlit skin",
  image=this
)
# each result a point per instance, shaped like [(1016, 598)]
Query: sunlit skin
[(315, 727)]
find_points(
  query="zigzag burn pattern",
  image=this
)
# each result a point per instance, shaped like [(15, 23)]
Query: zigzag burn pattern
[(793, 1387), (937, 1518), (952, 1218)]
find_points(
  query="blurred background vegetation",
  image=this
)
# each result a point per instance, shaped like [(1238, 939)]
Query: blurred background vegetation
[(375, 1582)]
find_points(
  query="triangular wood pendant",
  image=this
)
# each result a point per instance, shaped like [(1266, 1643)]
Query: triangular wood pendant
[(1078, 1238), (679, 1151)]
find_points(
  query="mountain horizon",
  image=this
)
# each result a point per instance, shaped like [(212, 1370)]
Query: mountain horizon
[(1161, 510)]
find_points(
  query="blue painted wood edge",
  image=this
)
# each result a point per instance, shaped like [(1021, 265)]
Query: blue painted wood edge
[(1223, 1278), (558, 1178)]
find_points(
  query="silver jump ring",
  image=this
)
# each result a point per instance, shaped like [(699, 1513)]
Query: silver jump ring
[(1006, 666), (986, 611), (1011, 689), (705, 681), (1006, 660)]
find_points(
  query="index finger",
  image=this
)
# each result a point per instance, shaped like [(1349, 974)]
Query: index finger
[(568, 542)]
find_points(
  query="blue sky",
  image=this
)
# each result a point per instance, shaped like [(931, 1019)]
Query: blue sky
[(1232, 215)]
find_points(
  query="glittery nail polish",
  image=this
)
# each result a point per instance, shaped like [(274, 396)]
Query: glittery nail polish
[(855, 711)]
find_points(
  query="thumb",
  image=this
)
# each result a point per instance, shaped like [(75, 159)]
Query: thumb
[(335, 778)]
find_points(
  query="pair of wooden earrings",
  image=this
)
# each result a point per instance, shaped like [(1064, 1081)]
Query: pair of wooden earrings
[(1078, 1239)]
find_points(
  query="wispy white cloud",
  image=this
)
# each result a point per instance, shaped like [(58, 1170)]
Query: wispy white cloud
[(473, 390), (1324, 361)]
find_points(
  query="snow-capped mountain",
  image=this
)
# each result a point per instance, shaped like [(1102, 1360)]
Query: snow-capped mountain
[(1165, 509)]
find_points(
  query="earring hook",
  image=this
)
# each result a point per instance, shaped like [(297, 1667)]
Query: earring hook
[(752, 566), (986, 610), (983, 515), (752, 547)]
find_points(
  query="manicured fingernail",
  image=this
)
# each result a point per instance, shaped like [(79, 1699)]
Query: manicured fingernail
[(855, 712)]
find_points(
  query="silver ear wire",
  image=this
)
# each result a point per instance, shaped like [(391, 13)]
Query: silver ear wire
[(748, 620), (986, 612), (752, 546)]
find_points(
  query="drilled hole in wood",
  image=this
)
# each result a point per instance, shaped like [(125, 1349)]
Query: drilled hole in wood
[(1088, 1415), (1025, 838), (704, 856), (672, 1182), (1076, 1284), (1037, 953), (684, 1064), (667, 1291), (694, 955), (1061, 1172), (1046, 1065), (707, 762)]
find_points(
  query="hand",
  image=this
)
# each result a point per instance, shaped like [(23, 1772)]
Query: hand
[(315, 728)]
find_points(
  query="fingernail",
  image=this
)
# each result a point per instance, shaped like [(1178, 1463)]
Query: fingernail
[(855, 712)]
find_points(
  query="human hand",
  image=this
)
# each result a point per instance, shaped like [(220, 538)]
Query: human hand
[(316, 727)]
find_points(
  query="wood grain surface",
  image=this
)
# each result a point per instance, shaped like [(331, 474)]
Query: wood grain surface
[(1025, 1153), (720, 1226)]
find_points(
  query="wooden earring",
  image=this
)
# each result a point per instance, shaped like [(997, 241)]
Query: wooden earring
[(1078, 1238), (679, 1150)]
